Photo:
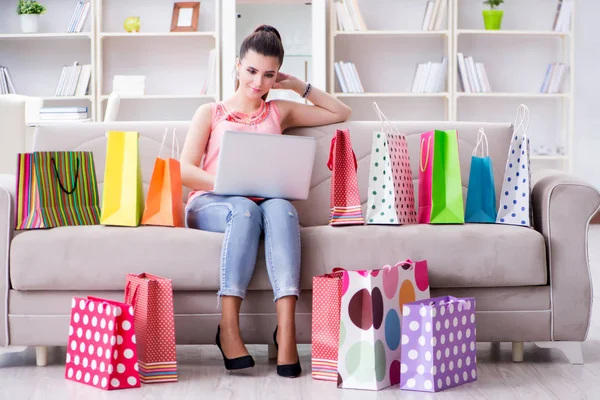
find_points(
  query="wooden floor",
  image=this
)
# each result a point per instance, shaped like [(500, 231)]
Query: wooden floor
[(545, 374)]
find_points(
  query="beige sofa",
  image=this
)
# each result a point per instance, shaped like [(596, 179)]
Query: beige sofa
[(531, 285)]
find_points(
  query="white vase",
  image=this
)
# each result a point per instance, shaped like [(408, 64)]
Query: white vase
[(29, 23)]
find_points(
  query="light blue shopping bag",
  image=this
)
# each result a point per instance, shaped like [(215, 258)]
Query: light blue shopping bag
[(481, 194)]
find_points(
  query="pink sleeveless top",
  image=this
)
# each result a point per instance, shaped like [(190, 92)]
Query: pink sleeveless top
[(264, 120)]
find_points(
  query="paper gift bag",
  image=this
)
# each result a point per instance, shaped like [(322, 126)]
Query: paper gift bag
[(345, 198), (164, 204), (123, 195), (152, 297), (438, 344), (56, 189), (481, 194), (325, 333), (391, 197), (101, 350), (369, 348), (515, 199), (440, 186)]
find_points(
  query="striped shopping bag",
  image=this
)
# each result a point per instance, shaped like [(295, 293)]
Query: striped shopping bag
[(56, 189), (345, 198)]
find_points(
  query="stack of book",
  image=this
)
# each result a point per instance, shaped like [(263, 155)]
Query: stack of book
[(74, 80), (562, 18), (349, 18), (473, 76), (6, 83), (63, 113), (556, 73), (348, 78), (79, 16), (435, 15), (430, 77)]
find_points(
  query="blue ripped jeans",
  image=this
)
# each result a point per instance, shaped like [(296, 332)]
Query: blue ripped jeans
[(243, 221)]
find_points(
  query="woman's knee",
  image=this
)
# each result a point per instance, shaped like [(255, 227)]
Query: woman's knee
[(279, 207), (245, 208)]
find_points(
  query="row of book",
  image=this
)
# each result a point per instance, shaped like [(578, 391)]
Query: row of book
[(74, 80), (562, 18), (349, 17), (473, 75), (6, 84), (435, 14), (430, 77), (63, 113), (556, 74), (347, 77), (79, 16)]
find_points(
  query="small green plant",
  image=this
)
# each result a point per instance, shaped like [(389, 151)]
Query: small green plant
[(30, 7), (493, 3)]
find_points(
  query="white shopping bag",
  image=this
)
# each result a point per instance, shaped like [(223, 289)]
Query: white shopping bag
[(391, 197), (515, 198)]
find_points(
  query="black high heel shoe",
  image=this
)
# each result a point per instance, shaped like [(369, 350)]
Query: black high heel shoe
[(234, 363), (287, 370)]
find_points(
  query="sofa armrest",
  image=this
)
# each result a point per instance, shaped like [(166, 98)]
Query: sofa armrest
[(7, 195), (562, 209)]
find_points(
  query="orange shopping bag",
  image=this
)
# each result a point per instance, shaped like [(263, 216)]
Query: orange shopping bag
[(164, 204)]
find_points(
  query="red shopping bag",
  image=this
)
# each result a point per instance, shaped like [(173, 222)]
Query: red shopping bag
[(101, 350), (152, 297), (326, 305), (345, 198)]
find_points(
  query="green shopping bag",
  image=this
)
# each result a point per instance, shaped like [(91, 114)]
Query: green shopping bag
[(440, 185)]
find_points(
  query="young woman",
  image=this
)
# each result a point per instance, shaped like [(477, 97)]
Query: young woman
[(243, 220)]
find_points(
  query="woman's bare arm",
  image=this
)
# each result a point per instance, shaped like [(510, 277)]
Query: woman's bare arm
[(326, 109), (197, 137)]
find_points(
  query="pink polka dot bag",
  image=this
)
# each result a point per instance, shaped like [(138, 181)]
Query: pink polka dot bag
[(101, 350)]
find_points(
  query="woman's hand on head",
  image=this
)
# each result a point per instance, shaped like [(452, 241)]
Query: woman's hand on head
[(286, 81)]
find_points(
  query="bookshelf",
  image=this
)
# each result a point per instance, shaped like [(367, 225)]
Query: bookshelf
[(395, 46), (35, 60), (515, 59), (175, 64)]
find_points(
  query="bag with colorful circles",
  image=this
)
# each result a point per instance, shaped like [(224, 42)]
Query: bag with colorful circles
[(438, 344), (101, 350), (369, 343)]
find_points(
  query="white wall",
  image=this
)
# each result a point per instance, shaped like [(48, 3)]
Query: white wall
[(587, 92)]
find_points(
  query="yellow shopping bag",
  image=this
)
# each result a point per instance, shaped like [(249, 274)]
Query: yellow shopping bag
[(123, 195)]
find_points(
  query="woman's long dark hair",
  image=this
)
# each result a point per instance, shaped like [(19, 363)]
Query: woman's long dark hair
[(265, 40)]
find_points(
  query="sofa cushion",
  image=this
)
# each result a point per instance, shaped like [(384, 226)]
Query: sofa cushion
[(99, 257)]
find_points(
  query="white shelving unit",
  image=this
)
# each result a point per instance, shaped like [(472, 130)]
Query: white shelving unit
[(35, 60), (175, 63), (386, 56), (515, 58)]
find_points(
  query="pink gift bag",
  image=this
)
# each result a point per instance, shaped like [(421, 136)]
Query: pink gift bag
[(101, 350), (345, 198)]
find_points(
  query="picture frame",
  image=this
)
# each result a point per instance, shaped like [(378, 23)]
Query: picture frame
[(185, 16)]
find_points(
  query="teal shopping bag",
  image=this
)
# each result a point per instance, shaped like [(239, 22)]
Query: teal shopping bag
[(481, 193)]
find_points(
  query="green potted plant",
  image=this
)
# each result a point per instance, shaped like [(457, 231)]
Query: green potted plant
[(492, 18), (30, 12)]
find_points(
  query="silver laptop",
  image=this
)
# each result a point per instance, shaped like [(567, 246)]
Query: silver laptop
[(265, 165)]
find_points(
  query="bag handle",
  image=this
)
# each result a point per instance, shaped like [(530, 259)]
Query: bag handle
[(330, 161), (134, 296), (57, 175), (382, 117), (522, 119), (481, 136), (423, 168), (174, 144)]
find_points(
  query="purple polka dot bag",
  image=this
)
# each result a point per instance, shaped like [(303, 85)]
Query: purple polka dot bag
[(438, 344)]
